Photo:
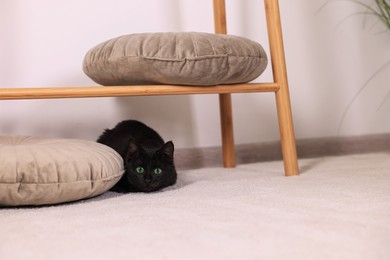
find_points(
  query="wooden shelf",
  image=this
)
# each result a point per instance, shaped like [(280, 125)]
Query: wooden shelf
[(120, 91)]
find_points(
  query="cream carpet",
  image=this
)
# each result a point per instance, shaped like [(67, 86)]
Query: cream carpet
[(339, 208)]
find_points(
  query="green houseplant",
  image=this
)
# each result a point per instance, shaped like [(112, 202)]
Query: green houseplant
[(380, 9)]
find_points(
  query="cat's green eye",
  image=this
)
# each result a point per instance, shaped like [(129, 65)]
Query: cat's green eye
[(157, 171), (140, 169)]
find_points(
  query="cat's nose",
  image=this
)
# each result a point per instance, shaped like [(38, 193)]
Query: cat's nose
[(148, 179)]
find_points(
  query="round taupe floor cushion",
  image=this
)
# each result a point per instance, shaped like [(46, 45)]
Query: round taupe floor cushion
[(38, 171)]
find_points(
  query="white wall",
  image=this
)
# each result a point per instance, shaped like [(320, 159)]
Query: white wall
[(43, 43)]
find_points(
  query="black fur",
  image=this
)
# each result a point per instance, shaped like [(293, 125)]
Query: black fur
[(141, 146)]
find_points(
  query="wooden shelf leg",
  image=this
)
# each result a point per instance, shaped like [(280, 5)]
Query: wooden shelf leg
[(287, 136), (225, 103), (225, 100)]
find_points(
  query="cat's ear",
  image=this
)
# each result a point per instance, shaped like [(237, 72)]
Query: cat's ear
[(132, 150), (168, 149)]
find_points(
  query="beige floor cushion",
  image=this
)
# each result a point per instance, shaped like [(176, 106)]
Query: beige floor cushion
[(38, 171), (182, 58)]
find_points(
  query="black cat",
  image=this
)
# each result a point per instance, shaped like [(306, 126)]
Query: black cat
[(148, 160)]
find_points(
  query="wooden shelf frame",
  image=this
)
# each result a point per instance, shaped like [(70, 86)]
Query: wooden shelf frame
[(122, 91), (279, 87)]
